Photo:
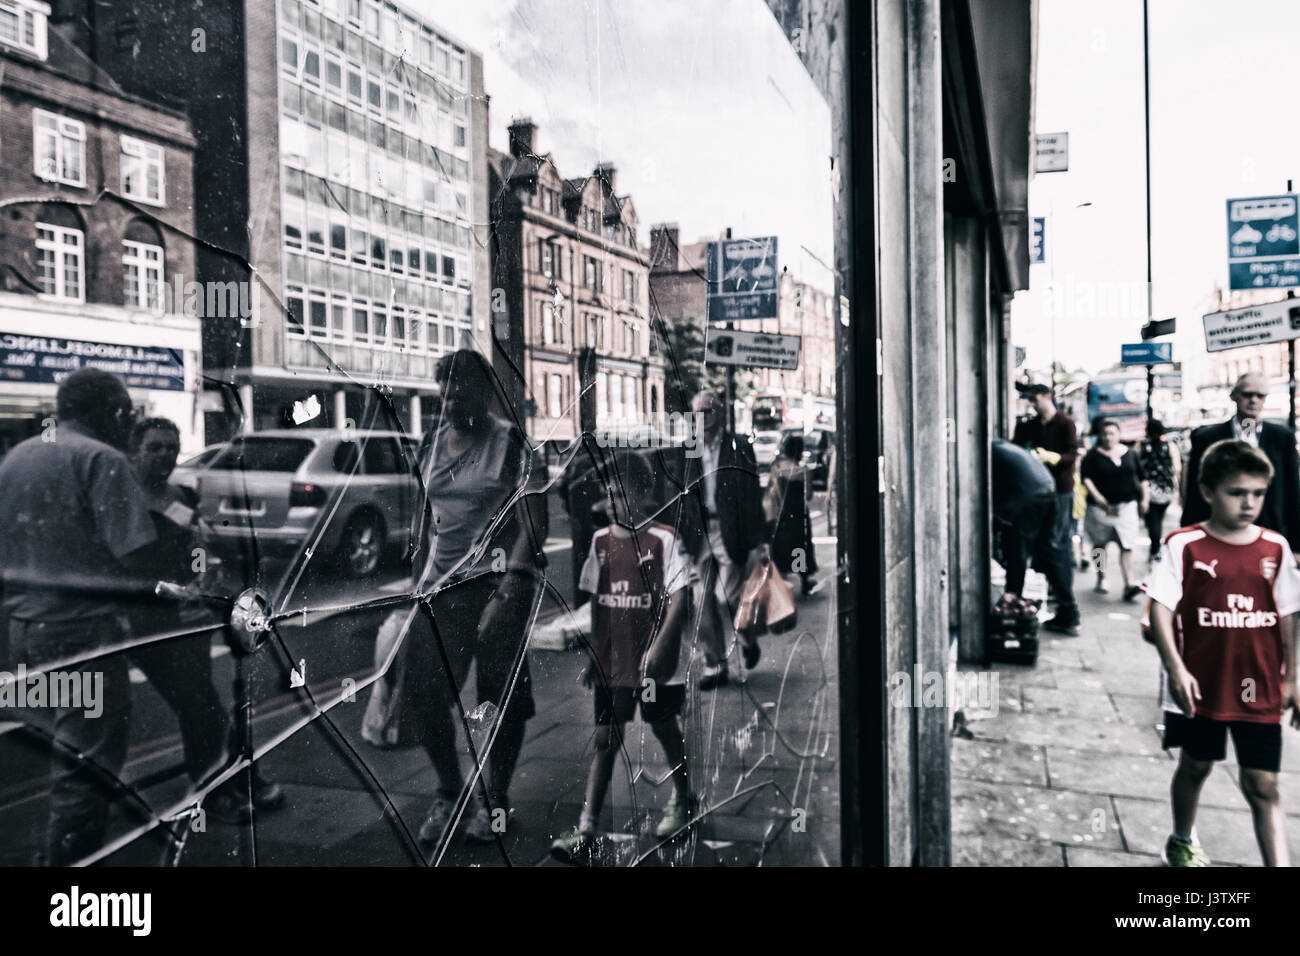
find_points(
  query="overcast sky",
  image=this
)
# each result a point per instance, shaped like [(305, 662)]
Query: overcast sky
[(1222, 126), (703, 107)]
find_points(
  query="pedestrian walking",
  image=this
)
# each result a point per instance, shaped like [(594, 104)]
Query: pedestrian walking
[(480, 561), (1051, 435), (76, 533), (1117, 495), (788, 515), (1234, 589), (179, 662), (722, 524), (1162, 468), (1281, 511), (637, 573)]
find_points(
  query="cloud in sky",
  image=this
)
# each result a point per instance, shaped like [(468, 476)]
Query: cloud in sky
[(705, 109)]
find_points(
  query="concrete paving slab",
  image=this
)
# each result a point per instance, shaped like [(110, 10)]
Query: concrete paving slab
[(1018, 814), (1227, 835), (999, 762)]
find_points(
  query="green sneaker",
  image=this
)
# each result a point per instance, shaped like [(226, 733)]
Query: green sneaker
[(676, 815), (573, 844), (1180, 853)]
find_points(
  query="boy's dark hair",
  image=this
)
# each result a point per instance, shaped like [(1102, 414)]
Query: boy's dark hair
[(144, 426), (629, 473), (1101, 424), (1231, 457)]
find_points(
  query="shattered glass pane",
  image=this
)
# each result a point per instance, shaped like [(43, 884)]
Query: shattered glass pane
[(429, 520)]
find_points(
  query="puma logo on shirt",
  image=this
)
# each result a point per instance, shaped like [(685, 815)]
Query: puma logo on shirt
[(1207, 568)]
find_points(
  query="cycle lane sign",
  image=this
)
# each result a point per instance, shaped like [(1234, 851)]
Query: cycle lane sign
[(1263, 242)]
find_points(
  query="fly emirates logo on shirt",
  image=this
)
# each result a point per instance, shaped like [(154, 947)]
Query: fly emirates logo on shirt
[(1241, 613), (620, 596)]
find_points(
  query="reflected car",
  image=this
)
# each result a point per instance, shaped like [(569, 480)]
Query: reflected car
[(767, 444), (350, 495), (186, 473), (817, 447)]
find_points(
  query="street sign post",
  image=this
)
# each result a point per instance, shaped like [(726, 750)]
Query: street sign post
[(1263, 242), (752, 349), (742, 276), (1146, 353), (1052, 154)]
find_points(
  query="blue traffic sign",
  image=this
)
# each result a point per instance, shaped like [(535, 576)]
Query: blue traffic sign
[(1263, 242), (1038, 241), (1146, 353)]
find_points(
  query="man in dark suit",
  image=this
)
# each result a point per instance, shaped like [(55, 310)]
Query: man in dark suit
[(1281, 512), (722, 527)]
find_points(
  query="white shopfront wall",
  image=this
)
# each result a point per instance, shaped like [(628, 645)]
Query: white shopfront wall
[(41, 341)]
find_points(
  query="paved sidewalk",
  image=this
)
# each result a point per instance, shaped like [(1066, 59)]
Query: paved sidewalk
[(764, 756), (1070, 771)]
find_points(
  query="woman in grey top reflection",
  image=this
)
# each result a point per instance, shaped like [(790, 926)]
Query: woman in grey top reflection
[(477, 560)]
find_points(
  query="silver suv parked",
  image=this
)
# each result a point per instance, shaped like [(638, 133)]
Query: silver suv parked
[(344, 493)]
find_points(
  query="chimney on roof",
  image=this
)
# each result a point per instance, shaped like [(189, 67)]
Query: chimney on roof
[(664, 247), (609, 173), (523, 138)]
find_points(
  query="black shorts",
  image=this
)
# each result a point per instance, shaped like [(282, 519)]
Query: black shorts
[(1258, 746), (618, 704)]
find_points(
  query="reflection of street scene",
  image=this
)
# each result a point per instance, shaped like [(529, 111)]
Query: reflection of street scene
[(444, 434)]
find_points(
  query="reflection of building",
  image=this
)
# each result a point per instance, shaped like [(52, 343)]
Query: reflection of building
[(573, 279), (679, 285), (97, 189), (341, 155)]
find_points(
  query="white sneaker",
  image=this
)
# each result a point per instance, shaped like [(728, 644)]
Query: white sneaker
[(436, 822), (479, 828)]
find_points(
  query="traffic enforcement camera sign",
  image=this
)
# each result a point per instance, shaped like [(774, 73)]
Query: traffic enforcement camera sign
[(1254, 325), (752, 349), (1263, 242)]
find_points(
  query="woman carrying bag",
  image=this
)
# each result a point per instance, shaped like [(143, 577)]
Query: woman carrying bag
[(789, 521)]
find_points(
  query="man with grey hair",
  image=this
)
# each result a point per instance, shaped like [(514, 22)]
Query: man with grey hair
[(722, 527), (1281, 511)]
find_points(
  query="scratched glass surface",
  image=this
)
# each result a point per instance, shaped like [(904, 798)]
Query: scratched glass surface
[(370, 647)]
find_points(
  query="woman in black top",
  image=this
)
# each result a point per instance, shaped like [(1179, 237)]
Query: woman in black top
[(1117, 491)]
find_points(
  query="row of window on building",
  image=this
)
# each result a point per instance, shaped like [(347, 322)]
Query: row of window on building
[(61, 267), (339, 23), (550, 263), (59, 151), (617, 395), (346, 319), (604, 333), (327, 78), (328, 233)]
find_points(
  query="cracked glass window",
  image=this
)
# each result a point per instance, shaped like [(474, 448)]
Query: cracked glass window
[(455, 486)]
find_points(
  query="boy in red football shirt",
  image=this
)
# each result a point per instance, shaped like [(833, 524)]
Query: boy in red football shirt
[(1231, 588), (637, 572)]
